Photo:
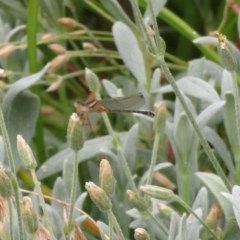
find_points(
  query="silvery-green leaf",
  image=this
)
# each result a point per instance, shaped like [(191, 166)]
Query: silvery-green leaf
[(156, 77), (234, 199), (21, 119), (205, 69), (194, 226), (90, 149), (157, 5), (117, 12), (206, 40), (229, 116), (173, 228), (201, 201), (204, 117), (19, 86), (216, 186), (111, 88), (220, 147), (194, 87), (183, 136), (129, 50), (227, 83), (129, 146)]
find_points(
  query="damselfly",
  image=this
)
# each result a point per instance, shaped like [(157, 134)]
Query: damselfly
[(129, 104)]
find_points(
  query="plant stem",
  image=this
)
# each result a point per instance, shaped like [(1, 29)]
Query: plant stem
[(73, 189), (42, 203), (114, 221), (200, 135)]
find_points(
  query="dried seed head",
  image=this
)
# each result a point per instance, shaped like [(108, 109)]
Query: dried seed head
[(89, 46), (98, 196), (57, 48), (164, 181), (68, 22), (55, 85), (7, 50), (57, 63), (49, 37)]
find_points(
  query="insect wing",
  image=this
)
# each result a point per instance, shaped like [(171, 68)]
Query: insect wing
[(124, 103)]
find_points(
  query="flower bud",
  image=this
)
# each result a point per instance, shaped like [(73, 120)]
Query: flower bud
[(214, 216), (106, 178), (49, 37), (77, 233), (75, 132), (161, 117), (92, 81), (165, 210), (26, 153), (138, 202), (98, 196), (57, 48), (42, 234), (7, 50), (29, 215), (57, 62), (55, 85), (164, 181), (3, 231), (141, 234), (89, 46), (5, 184), (68, 22), (226, 53), (158, 192)]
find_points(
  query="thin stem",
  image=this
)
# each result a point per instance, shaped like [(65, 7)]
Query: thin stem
[(116, 225), (42, 203), (162, 227), (154, 157), (10, 219), (73, 189), (237, 115), (117, 144), (180, 201)]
